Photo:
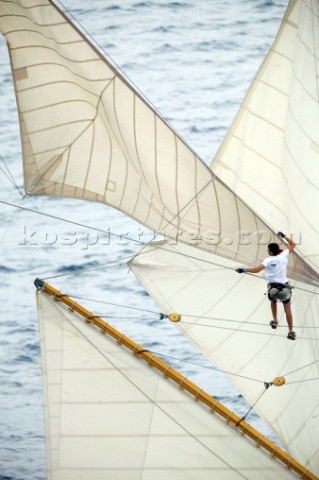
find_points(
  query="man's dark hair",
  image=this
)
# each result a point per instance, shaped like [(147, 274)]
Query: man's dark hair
[(274, 248)]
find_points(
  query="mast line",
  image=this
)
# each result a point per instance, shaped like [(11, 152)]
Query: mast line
[(183, 383)]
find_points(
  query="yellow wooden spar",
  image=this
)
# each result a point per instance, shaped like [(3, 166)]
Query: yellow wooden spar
[(185, 384)]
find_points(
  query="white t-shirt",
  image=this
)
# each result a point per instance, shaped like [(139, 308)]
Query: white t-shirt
[(276, 267)]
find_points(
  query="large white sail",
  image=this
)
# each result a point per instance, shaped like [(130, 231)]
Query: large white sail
[(109, 415), (270, 156), (86, 133), (227, 316)]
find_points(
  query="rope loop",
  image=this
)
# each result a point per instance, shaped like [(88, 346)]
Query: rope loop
[(71, 309), (212, 410), (181, 383), (119, 341), (288, 465), (228, 417), (259, 442), (243, 430), (136, 350), (90, 317), (196, 396), (103, 329), (57, 295), (150, 360)]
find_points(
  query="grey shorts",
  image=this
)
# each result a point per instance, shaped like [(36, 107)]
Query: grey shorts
[(279, 291)]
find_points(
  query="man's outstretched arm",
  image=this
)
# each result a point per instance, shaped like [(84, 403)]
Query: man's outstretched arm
[(255, 269), (251, 270), (291, 243)]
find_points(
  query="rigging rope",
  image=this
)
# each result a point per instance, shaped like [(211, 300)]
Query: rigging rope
[(297, 369), (113, 304), (83, 270), (218, 319), (11, 219), (132, 240), (55, 217), (211, 367), (246, 331), (9, 176), (254, 404), (302, 381), (160, 314)]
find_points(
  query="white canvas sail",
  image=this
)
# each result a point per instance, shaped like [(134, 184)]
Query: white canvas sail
[(270, 156), (227, 316), (109, 415), (86, 133)]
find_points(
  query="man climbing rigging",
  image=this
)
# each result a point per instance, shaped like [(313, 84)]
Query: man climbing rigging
[(276, 276)]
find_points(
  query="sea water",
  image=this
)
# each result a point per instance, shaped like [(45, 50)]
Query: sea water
[(193, 60)]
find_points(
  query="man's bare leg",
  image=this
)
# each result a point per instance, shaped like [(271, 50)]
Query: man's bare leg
[(287, 308), (273, 305)]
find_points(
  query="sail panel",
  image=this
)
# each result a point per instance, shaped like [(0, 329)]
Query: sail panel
[(226, 315), (108, 415), (275, 133)]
